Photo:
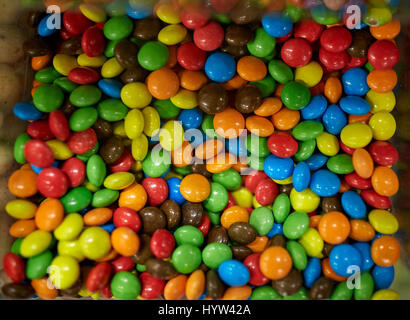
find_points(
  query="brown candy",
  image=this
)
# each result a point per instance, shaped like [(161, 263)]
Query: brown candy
[(192, 213), (34, 17), (111, 150), (147, 28), (152, 219), (144, 253), (321, 289), (246, 11), (285, 188), (36, 47), (331, 204), (160, 268), (235, 51), (218, 234), (125, 52), (236, 35), (248, 98), (18, 290), (173, 213), (290, 284), (241, 252), (74, 289), (212, 98), (214, 285), (360, 43), (103, 129), (327, 247), (242, 232), (201, 169), (203, 267), (71, 46), (277, 241), (133, 74), (68, 108)]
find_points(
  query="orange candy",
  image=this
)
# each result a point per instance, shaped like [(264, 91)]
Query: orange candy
[(109, 256), (195, 187), (49, 214), (259, 244), (235, 83), (363, 163), (328, 272), (237, 293), (314, 221), (269, 107), (361, 230), (192, 80), (275, 263), (382, 81), (195, 285), (333, 89), (229, 123), (362, 118), (234, 214), (334, 227), (344, 186), (175, 288), (23, 183), (385, 251), (388, 31), (172, 60), (209, 149), (385, 181), (97, 216), (286, 119), (182, 156), (40, 62), (251, 68), (240, 165), (163, 83), (221, 162), (22, 228), (43, 289), (133, 197), (125, 241), (259, 126)]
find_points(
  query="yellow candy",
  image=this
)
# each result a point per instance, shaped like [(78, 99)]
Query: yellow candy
[(305, 200), (310, 74), (328, 144), (185, 99), (356, 135), (284, 181), (95, 243), (139, 149), (383, 221), (111, 68), (171, 135), (312, 242), (118, 129), (383, 125), (93, 62), (381, 101), (93, 12), (256, 204), (168, 13), (35, 243), (135, 95), (152, 121), (137, 166), (70, 228), (71, 249), (21, 209), (134, 123), (386, 294), (243, 197), (60, 149), (172, 34), (64, 272), (63, 63), (88, 185), (119, 180)]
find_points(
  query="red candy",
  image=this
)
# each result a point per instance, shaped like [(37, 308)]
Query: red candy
[(93, 42), (75, 22), (124, 163), (83, 141), (383, 153), (106, 291), (98, 277), (157, 190), (296, 52), (74, 169), (162, 243), (375, 200), (209, 37), (14, 267), (126, 217), (346, 149), (52, 183), (38, 153), (58, 125), (355, 181), (40, 129), (194, 17), (355, 63), (205, 224), (333, 60), (252, 180), (309, 30), (266, 192), (123, 264), (282, 144), (151, 287), (190, 57), (83, 75), (256, 276), (383, 54), (336, 39)]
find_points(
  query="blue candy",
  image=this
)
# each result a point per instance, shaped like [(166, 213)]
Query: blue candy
[(276, 24), (301, 176), (334, 119), (108, 227), (190, 118), (195, 137), (138, 10), (27, 111), (174, 191), (383, 276), (354, 105), (276, 229), (365, 251), (355, 82), (315, 108), (353, 205), (233, 273), (312, 272), (316, 161), (237, 146), (220, 67), (324, 183), (344, 258), (110, 87), (278, 168), (43, 27), (38, 170)]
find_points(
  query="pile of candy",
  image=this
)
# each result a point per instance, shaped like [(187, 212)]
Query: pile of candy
[(233, 149)]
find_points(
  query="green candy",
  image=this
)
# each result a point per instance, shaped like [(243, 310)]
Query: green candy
[(15, 248), (217, 199), (116, 8), (18, 150), (112, 110), (340, 164), (262, 44), (262, 220), (298, 254), (109, 48), (257, 146), (186, 258), (305, 150), (302, 294), (295, 95), (295, 225), (307, 130), (48, 97), (83, 119), (222, 17), (281, 207), (153, 55), (215, 218), (118, 28), (47, 75), (36, 266), (280, 71), (104, 198), (166, 109), (342, 292), (96, 170), (207, 126), (322, 15), (85, 156), (141, 268), (365, 291), (230, 179), (377, 16), (76, 199), (294, 13), (265, 293), (368, 66), (125, 286), (215, 253), (189, 235), (65, 84), (156, 163), (85, 96), (183, 170), (266, 86), (255, 162)]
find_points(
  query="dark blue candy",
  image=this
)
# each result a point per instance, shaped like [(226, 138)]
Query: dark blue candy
[(334, 119), (27, 111), (344, 258), (353, 205), (276, 24), (365, 250), (324, 183), (355, 82), (278, 168), (233, 273), (354, 105), (315, 108), (383, 276), (316, 161), (220, 67), (312, 272), (110, 87), (174, 190), (301, 176), (190, 118)]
